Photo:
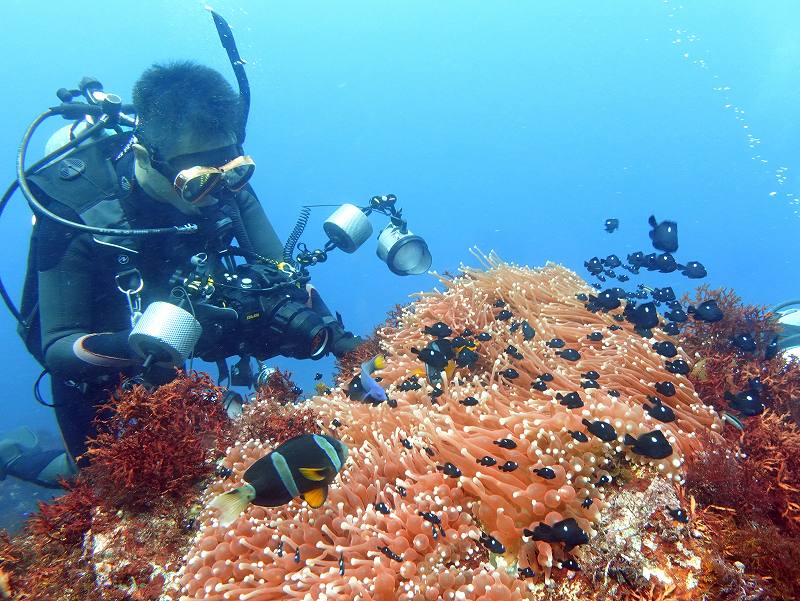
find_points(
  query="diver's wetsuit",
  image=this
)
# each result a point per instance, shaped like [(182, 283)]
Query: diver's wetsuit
[(85, 319)]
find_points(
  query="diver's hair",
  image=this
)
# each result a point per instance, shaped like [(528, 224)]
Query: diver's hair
[(184, 97)]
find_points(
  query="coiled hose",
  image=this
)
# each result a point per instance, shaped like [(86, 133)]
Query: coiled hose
[(294, 237)]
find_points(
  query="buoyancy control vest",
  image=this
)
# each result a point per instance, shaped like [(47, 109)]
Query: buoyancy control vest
[(86, 184)]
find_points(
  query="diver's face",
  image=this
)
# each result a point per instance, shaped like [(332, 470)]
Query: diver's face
[(159, 186)]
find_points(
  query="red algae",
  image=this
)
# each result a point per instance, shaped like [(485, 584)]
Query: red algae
[(156, 443), (121, 521), (748, 486), (270, 417)]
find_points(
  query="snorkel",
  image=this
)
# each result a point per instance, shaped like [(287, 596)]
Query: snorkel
[(237, 64)]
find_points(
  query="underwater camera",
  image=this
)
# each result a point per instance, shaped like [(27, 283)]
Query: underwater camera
[(254, 309)]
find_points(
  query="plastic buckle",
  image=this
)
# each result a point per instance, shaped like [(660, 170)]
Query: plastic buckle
[(132, 292)]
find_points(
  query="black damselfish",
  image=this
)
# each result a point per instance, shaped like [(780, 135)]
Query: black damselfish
[(678, 315), (664, 235), (466, 357), (594, 265), (448, 469), (578, 435), (569, 354), (603, 430), (665, 388), (744, 342), (693, 270), (706, 311), (514, 352), (604, 301), (746, 402), (438, 329), (527, 331), (642, 316), (663, 295), (538, 385), (659, 410), (545, 472), (571, 400), (665, 348), (566, 531), (491, 543), (665, 263), (678, 366), (506, 443), (772, 349), (671, 329), (611, 225), (650, 444)]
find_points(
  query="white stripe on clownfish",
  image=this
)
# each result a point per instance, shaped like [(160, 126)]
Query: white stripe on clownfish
[(279, 461)]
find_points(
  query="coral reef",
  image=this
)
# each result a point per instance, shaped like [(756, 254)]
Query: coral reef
[(444, 486), (414, 514)]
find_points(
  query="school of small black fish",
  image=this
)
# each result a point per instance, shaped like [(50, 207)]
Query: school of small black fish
[(644, 309)]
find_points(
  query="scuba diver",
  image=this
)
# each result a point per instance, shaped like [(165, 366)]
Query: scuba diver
[(183, 161)]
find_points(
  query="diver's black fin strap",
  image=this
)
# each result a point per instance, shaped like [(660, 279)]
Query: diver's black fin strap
[(226, 37)]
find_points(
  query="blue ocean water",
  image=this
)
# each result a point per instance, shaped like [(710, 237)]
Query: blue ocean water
[(514, 126)]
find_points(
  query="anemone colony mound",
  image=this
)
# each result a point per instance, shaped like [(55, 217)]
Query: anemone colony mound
[(375, 537)]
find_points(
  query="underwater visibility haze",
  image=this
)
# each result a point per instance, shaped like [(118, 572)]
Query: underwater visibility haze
[(588, 165)]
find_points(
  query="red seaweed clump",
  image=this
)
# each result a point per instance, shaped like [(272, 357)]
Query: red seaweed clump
[(721, 367), (122, 522), (270, 418), (738, 318), (748, 486), (350, 364), (157, 443)]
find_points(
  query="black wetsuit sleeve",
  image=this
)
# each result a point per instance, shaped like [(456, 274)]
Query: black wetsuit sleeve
[(72, 348), (262, 235)]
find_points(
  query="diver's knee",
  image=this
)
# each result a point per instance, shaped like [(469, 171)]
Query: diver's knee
[(45, 468)]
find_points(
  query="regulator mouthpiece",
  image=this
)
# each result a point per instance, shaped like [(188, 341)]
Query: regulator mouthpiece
[(165, 332)]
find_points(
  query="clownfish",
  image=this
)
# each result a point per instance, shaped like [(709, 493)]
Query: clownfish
[(302, 466)]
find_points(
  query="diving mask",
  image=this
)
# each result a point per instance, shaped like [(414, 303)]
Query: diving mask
[(198, 178)]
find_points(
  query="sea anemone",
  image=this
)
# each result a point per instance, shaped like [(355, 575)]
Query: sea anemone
[(414, 513)]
